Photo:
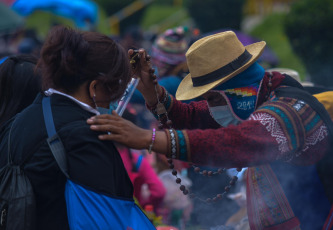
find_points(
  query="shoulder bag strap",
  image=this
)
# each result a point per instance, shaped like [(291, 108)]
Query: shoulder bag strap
[(54, 141)]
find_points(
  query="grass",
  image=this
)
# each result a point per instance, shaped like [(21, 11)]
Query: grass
[(271, 30)]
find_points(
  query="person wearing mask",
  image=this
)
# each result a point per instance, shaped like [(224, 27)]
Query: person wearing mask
[(83, 74), (246, 120)]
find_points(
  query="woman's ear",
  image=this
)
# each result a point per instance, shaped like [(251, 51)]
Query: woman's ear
[(92, 88)]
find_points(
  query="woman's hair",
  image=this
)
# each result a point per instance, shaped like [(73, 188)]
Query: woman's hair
[(70, 58), (19, 85)]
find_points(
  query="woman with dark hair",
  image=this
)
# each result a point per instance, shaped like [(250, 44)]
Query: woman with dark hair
[(83, 74), (19, 85)]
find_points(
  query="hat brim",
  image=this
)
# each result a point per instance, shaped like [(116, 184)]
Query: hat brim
[(187, 91)]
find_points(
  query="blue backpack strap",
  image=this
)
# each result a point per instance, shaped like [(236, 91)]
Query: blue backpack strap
[(54, 141), (138, 163)]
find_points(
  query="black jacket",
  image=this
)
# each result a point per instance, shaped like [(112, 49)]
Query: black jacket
[(92, 163)]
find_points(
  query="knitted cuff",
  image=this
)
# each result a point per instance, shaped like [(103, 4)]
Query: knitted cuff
[(177, 144)]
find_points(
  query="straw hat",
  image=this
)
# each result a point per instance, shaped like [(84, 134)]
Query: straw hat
[(214, 60)]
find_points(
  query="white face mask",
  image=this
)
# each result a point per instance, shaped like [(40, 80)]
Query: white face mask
[(223, 116), (112, 106)]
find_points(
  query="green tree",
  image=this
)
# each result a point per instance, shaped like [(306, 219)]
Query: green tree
[(113, 6), (309, 29), (212, 15)]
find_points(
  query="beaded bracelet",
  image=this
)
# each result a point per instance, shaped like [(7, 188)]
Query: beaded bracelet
[(162, 115), (152, 140), (173, 144)]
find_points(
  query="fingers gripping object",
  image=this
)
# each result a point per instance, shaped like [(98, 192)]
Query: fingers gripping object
[(135, 58)]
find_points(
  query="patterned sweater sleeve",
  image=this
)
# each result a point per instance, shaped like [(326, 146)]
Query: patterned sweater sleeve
[(281, 129)]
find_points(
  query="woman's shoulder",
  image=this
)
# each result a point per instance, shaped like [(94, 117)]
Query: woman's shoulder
[(79, 133)]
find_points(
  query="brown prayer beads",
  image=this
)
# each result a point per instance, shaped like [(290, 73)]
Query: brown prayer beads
[(161, 110)]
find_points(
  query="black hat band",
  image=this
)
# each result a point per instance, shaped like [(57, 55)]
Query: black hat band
[(223, 71)]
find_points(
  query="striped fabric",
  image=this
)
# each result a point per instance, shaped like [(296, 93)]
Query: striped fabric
[(267, 204), (243, 91), (296, 119)]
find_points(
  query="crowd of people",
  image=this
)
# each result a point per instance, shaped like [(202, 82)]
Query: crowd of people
[(209, 140)]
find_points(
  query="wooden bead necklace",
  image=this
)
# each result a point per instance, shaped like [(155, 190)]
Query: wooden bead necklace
[(161, 111)]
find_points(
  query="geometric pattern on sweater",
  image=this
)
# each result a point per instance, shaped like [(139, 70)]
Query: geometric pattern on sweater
[(297, 121), (287, 129), (272, 126), (312, 140), (286, 122)]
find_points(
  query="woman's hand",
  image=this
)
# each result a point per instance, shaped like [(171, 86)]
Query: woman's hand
[(121, 131), (145, 72)]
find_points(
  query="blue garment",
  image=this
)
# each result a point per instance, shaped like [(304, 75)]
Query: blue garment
[(87, 209), (243, 105), (77, 10), (251, 75), (2, 60)]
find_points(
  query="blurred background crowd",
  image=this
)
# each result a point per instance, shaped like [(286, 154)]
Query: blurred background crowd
[(298, 34)]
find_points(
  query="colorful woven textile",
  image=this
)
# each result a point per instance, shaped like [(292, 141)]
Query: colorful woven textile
[(284, 129), (243, 100), (266, 202), (169, 50)]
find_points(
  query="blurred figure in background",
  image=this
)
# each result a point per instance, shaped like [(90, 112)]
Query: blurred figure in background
[(168, 56), (132, 37), (19, 85), (148, 188), (30, 43), (177, 208), (168, 53)]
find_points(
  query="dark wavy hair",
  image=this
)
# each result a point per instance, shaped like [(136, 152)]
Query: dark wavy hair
[(70, 57), (20, 82)]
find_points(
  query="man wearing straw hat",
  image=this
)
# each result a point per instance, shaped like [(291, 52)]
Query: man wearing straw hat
[(243, 122)]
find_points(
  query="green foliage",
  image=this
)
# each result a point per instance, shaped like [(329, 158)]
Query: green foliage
[(42, 21), (309, 29), (113, 6), (212, 15), (271, 30), (161, 17)]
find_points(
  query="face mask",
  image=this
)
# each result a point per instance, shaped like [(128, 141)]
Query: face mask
[(223, 116), (112, 106)]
